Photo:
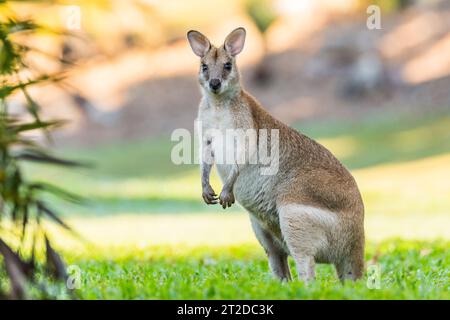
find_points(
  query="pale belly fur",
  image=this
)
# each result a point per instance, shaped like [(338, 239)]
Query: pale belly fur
[(255, 192)]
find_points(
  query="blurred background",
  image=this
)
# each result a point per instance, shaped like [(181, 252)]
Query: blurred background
[(379, 99)]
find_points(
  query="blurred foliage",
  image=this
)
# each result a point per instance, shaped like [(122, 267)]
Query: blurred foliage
[(261, 12), (22, 204), (263, 15), (388, 6), (10, 53)]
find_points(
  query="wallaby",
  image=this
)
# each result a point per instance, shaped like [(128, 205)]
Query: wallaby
[(311, 208)]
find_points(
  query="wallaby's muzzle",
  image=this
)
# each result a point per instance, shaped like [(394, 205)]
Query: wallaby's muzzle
[(214, 85)]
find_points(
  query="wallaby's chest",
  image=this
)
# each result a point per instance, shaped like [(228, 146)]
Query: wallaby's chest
[(252, 190), (219, 125), (219, 118), (216, 124)]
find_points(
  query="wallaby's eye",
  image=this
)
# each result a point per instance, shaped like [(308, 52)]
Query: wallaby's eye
[(204, 67), (227, 66)]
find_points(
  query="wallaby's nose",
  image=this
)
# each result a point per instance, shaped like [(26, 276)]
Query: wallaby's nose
[(214, 84)]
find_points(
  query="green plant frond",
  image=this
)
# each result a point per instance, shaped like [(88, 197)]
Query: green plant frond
[(57, 191), (21, 201)]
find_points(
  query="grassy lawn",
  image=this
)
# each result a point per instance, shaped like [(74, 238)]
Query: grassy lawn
[(150, 236), (409, 270)]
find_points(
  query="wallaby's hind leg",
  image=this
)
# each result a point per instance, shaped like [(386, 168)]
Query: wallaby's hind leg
[(344, 271), (278, 258), (304, 229), (352, 268)]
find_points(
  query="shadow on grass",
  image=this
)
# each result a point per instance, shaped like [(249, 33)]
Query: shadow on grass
[(145, 205), (150, 158)]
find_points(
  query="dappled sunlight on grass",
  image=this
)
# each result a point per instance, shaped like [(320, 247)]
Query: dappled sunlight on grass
[(139, 200), (414, 226), (417, 187), (224, 229), (174, 229), (388, 139), (342, 147), (414, 205)]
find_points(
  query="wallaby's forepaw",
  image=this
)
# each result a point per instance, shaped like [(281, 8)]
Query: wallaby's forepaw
[(226, 198), (209, 196)]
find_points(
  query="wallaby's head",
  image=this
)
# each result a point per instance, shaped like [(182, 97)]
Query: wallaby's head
[(218, 73)]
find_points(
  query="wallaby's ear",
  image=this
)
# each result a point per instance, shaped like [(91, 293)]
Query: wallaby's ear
[(234, 43), (199, 43)]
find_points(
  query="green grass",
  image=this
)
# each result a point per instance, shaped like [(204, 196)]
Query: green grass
[(152, 237), (409, 270)]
